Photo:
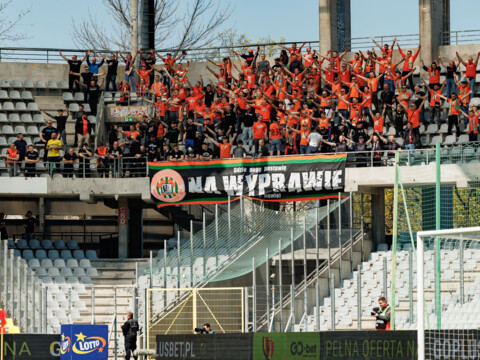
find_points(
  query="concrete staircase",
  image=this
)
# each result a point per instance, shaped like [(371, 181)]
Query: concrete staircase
[(114, 285)]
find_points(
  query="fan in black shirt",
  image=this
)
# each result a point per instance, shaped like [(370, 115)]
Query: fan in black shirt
[(74, 67), (112, 64), (31, 158)]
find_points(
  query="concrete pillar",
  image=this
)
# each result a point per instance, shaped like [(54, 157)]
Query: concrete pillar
[(133, 26), (434, 18), (334, 25), (123, 227), (378, 217), (135, 231), (41, 214)]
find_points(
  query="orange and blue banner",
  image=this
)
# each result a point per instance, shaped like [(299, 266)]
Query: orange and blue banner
[(81, 342), (287, 178)]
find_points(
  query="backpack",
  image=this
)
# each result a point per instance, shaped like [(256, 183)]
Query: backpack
[(132, 332)]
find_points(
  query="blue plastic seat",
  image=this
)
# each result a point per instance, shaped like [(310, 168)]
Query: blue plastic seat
[(40, 254), (91, 255), (47, 244), (35, 244), (53, 254), (22, 244), (60, 245), (11, 244), (27, 254), (78, 254), (66, 255), (72, 244), (17, 252)]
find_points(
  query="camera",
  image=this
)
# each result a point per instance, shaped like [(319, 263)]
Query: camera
[(375, 310), (200, 330)]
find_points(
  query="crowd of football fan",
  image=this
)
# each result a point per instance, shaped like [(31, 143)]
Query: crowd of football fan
[(299, 103)]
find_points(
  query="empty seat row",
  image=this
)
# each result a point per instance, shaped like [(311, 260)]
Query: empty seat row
[(66, 272), (24, 118), (69, 97), (29, 130), (54, 254), (59, 263), (47, 244), (20, 106), (16, 95), (30, 84)]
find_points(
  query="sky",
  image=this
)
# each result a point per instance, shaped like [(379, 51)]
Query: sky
[(49, 22)]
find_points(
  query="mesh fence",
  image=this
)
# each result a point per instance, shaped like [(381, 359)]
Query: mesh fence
[(452, 266), (227, 246)]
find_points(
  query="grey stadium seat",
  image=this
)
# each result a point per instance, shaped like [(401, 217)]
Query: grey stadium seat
[(53, 271), (4, 95), (17, 84), (32, 130), (40, 272), (3, 118), (79, 272), (92, 119), (14, 118), (5, 84), (20, 106), (34, 264), (63, 85), (28, 84), (449, 140), (92, 272), (73, 107), (32, 106), (52, 84), (8, 106), (20, 129), (26, 118), (66, 272), (86, 280), (40, 84), (38, 119), (3, 141), (72, 263), (27, 95), (86, 107), (67, 97), (85, 263), (59, 263), (47, 263), (15, 95), (79, 97), (7, 130)]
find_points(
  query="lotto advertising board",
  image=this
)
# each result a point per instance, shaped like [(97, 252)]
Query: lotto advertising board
[(82, 342)]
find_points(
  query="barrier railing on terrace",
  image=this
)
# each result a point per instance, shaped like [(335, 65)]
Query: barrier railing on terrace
[(51, 55), (138, 167)]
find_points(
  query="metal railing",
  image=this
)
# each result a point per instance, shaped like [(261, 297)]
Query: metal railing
[(461, 37), (138, 167), (51, 55), (94, 167)]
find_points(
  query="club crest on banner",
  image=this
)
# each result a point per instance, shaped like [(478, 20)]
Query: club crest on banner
[(168, 186)]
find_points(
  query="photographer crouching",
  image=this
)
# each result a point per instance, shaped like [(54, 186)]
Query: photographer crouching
[(206, 329), (382, 314)]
